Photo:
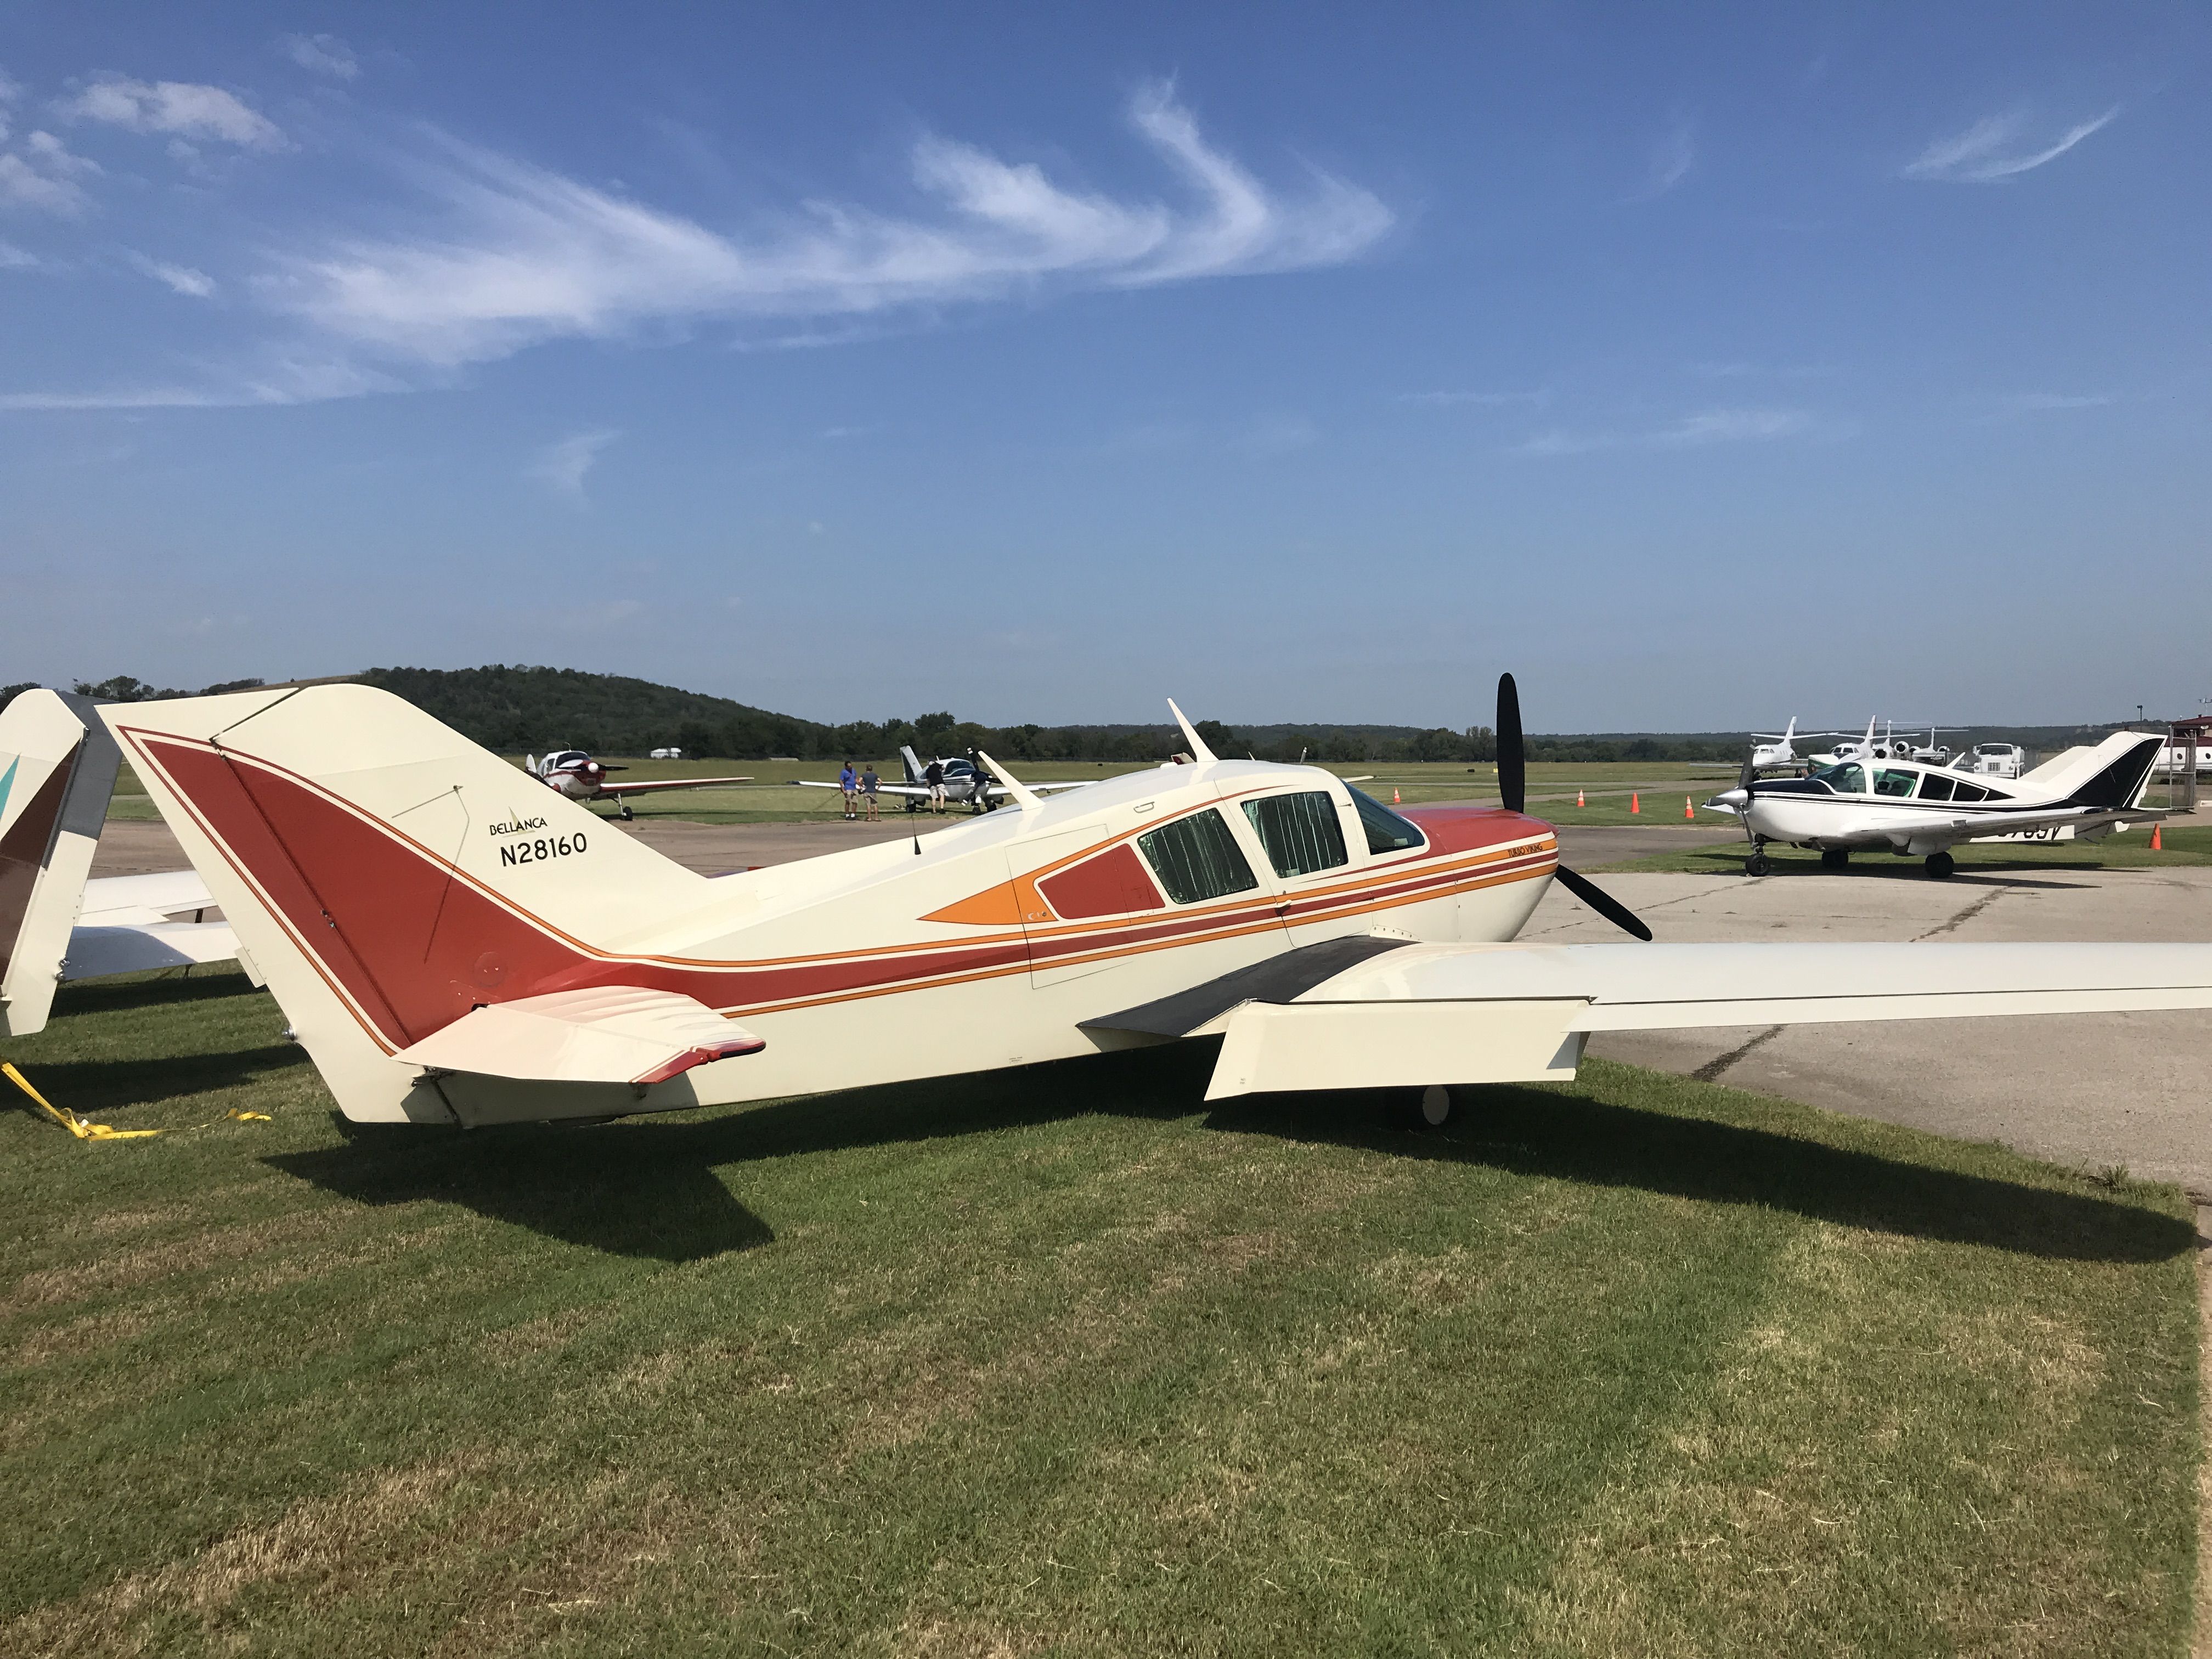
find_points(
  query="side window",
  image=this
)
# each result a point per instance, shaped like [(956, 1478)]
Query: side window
[(1890, 781), (1386, 831), (1971, 791), (1300, 833), (1936, 786), (1196, 858)]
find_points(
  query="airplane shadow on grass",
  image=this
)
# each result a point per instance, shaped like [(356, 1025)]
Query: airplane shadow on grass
[(649, 1187)]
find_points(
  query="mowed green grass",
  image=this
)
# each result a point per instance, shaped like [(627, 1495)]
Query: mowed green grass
[(2130, 850), (1061, 1361)]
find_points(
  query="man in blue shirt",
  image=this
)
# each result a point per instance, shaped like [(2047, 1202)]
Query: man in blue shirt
[(849, 781)]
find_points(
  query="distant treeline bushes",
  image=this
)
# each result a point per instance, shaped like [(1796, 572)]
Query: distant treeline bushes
[(518, 710)]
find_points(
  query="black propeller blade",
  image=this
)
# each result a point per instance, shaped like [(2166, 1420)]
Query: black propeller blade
[(1513, 789), (1512, 764), (1604, 903)]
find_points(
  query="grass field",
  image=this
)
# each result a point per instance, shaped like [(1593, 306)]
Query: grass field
[(2191, 844), (775, 796), (1061, 1361)]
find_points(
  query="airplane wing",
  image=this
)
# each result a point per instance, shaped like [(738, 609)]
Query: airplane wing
[(1043, 789), (134, 947), (126, 900), (608, 1034), (916, 790), (657, 785), (1937, 832), (1367, 1013)]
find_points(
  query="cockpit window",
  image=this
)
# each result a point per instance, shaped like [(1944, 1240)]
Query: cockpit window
[(1894, 780), (1196, 858), (957, 768), (1937, 786), (1386, 831), (1849, 779), (1300, 832)]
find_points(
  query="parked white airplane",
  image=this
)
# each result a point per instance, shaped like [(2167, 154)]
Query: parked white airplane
[(577, 776), (1900, 807), (962, 785), (1887, 747), (58, 767), (1773, 750), (443, 963)]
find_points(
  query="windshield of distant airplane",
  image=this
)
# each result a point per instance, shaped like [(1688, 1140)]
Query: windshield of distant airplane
[(1386, 831), (1849, 779)]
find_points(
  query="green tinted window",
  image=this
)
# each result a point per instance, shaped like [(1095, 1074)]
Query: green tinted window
[(1300, 832), (1386, 831), (1196, 858), (1892, 780), (1845, 779)]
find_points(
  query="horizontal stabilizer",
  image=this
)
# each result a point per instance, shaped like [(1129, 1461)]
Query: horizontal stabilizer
[(609, 1034), (134, 948)]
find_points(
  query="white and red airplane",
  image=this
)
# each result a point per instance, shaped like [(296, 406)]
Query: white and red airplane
[(577, 776), (57, 770), (451, 951)]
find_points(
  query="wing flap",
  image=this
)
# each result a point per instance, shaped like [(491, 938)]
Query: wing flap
[(1431, 1013), (608, 1033)]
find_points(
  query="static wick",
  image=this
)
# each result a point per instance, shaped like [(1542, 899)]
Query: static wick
[(917, 846)]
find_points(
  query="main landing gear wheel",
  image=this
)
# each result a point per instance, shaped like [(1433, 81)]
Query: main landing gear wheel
[(1432, 1107), (1940, 864), (1759, 865), (1834, 858), (627, 815)]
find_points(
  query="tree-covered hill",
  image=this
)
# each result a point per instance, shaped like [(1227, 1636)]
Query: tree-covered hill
[(520, 710)]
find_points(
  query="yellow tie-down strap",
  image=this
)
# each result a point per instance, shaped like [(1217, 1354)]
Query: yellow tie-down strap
[(85, 1129)]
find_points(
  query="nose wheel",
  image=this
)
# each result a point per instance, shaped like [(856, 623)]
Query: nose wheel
[(1759, 863)]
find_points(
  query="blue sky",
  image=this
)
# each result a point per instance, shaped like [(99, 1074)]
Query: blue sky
[(1704, 366)]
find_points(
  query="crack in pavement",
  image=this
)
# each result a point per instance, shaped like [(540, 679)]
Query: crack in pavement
[(1711, 1071), (1965, 916)]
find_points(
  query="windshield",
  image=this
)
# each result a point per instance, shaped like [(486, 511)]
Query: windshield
[(1386, 831), (1849, 779)]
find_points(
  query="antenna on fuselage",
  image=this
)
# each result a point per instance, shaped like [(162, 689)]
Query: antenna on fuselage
[(1199, 751)]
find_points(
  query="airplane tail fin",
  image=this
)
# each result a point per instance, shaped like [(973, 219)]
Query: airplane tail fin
[(2115, 772), (57, 768), (912, 762), (387, 877)]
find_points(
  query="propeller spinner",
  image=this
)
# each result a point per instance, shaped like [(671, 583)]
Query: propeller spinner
[(1513, 787)]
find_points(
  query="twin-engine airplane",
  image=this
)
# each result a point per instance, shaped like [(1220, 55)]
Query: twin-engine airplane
[(57, 768), (450, 954), (577, 776), (1898, 806)]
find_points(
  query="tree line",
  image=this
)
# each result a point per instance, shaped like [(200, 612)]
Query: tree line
[(519, 708)]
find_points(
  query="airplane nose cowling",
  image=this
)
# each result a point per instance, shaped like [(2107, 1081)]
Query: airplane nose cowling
[(1731, 800)]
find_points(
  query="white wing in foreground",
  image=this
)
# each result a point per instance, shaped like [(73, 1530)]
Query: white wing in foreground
[(609, 1034), (1501, 1013)]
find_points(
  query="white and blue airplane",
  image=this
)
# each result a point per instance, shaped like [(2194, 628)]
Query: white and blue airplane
[(1897, 806)]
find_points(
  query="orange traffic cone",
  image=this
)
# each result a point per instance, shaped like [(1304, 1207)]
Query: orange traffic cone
[(1394, 801), (2155, 844), (1634, 805), (1688, 811), (1579, 801)]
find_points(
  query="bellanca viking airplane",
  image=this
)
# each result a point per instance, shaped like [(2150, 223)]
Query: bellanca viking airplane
[(452, 948), (57, 770), (573, 773), (1922, 812)]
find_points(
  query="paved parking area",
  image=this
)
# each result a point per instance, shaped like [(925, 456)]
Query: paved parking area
[(2088, 1090)]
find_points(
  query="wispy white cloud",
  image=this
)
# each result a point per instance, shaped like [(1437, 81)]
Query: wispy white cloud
[(1695, 431), (182, 107), (279, 380), (564, 465), (1475, 399), (45, 175), (16, 258), (1671, 158), (522, 254), (320, 54), (182, 279), (1988, 152), (2045, 403)]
